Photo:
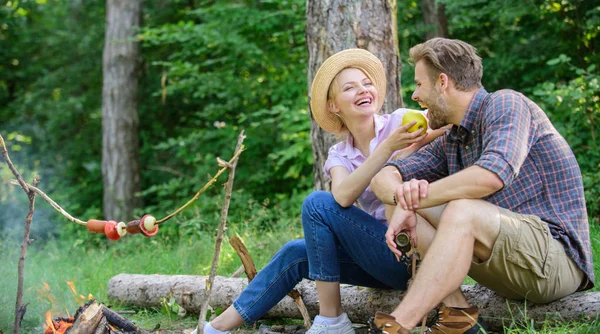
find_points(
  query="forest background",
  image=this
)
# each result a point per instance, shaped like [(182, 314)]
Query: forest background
[(210, 69)]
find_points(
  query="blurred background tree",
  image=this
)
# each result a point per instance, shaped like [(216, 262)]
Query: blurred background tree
[(211, 68), (361, 24), (120, 139)]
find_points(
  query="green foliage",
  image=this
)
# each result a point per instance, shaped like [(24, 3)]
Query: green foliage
[(223, 77), (231, 66), (521, 36), (51, 94), (170, 307)]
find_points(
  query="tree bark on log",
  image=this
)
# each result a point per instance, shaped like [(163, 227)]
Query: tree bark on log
[(360, 303), (335, 25)]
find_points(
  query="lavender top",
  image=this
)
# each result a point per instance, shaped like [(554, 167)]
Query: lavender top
[(345, 154)]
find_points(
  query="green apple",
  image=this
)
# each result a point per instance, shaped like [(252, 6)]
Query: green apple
[(414, 115)]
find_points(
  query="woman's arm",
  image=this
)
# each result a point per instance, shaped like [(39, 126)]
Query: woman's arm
[(347, 187)]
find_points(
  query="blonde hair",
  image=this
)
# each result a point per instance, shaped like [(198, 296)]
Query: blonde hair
[(331, 95), (457, 59)]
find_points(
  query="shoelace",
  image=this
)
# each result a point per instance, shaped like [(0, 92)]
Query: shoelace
[(434, 321), (376, 330)]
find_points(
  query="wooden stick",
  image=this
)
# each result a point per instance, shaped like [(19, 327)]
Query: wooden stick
[(238, 150), (12, 167), (220, 231), (26, 187), (297, 296), (250, 269), (19, 308), (123, 323), (53, 204), (242, 252)]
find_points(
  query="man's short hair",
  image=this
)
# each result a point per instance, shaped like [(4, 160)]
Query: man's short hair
[(457, 59)]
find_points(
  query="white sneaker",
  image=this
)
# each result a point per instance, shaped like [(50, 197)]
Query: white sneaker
[(195, 331), (344, 327)]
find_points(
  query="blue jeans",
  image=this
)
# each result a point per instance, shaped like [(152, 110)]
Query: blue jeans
[(361, 257)]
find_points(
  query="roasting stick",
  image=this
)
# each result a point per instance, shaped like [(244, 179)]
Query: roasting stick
[(52, 203), (147, 225), (225, 165)]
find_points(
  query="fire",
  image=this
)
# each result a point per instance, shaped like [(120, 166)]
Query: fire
[(60, 325), (57, 326), (79, 298)]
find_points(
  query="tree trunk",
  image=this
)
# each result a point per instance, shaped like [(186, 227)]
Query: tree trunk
[(434, 17), (360, 303), (120, 147), (335, 25)]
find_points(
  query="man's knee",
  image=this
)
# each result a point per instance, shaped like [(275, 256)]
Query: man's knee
[(473, 213), (474, 217), (460, 212)]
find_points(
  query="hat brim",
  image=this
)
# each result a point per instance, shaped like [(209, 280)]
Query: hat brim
[(361, 59)]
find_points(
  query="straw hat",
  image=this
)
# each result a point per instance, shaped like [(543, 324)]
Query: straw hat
[(355, 58)]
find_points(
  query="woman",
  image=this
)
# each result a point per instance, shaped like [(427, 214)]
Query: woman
[(343, 243)]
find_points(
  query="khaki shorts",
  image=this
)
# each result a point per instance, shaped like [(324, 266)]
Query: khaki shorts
[(526, 262)]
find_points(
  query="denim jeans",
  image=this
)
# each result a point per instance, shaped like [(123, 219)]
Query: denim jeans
[(361, 256)]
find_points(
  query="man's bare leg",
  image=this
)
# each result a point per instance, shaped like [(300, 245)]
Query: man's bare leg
[(426, 220), (466, 228)]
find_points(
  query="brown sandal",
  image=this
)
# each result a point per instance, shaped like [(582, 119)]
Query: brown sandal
[(384, 323)]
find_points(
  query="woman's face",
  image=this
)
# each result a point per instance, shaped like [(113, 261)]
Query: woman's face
[(353, 94)]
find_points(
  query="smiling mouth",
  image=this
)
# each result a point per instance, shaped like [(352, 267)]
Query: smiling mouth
[(364, 101)]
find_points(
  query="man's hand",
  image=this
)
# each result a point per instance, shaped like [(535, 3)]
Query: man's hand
[(408, 194), (402, 220)]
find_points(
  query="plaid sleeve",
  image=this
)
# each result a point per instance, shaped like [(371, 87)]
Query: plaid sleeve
[(429, 163), (506, 138)]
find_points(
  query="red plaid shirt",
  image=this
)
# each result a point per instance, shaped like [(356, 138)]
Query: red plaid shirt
[(508, 134)]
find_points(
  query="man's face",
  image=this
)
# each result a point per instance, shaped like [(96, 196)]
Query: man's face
[(428, 95)]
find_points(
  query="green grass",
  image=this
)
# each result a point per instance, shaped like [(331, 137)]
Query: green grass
[(52, 264), (56, 263)]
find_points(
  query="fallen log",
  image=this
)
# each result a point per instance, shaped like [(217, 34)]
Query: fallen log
[(360, 303)]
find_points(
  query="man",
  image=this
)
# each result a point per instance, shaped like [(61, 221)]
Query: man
[(499, 197)]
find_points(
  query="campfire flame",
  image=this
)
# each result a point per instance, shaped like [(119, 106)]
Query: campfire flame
[(57, 326), (79, 298), (60, 325)]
